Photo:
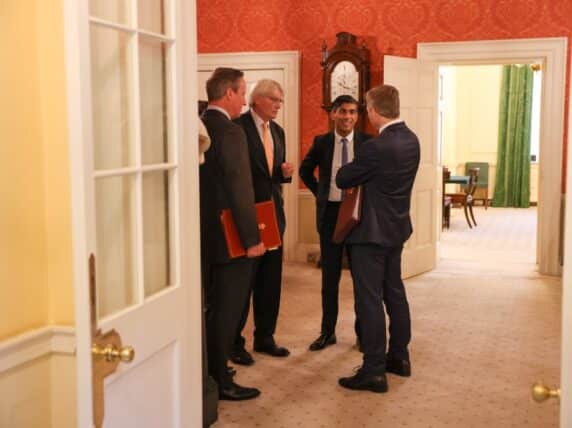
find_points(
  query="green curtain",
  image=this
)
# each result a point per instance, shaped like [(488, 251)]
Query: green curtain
[(512, 184)]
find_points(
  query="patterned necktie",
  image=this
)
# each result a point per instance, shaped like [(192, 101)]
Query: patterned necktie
[(267, 146), (344, 151)]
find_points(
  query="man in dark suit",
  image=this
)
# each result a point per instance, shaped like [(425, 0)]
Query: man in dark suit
[(328, 153), (267, 151), (225, 182), (386, 167)]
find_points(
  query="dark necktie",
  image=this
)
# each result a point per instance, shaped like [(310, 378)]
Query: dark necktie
[(344, 151)]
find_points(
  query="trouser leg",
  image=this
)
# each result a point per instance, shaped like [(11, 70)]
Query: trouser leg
[(231, 283), (368, 270), (266, 294)]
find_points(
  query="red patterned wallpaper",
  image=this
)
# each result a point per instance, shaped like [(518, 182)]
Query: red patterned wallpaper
[(387, 26)]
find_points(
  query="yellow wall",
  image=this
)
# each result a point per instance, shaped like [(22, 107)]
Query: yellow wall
[(51, 52), (35, 243), (470, 129)]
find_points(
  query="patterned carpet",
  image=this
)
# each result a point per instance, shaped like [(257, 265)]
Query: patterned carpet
[(485, 326)]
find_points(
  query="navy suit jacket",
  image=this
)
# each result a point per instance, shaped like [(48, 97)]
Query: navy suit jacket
[(321, 155), (266, 186), (386, 167)]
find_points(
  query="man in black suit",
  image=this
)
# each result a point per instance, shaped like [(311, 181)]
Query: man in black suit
[(328, 153), (225, 182), (267, 151), (386, 167)]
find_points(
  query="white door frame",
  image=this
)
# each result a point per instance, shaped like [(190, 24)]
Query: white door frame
[(289, 62), (76, 38), (552, 53), (566, 352)]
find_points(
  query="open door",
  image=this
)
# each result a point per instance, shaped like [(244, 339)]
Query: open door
[(132, 99), (566, 356), (417, 82)]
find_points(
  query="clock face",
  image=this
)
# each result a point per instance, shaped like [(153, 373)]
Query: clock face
[(344, 80)]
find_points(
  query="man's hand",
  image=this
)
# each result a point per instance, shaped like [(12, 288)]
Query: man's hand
[(256, 250), (287, 169)]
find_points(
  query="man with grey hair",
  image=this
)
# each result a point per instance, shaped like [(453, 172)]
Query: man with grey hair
[(267, 151)]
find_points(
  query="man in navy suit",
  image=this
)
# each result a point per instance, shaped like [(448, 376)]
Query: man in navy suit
[(328, 153), (269, 170), (386, 167)]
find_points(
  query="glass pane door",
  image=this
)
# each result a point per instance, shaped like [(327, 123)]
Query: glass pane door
[(134, 161)]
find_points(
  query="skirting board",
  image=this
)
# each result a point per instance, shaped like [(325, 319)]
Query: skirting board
[(35, 344)]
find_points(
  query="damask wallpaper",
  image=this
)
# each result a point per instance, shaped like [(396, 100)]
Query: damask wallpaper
[(387, 26)]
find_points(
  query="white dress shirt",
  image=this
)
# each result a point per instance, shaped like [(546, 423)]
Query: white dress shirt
[(335, 192)]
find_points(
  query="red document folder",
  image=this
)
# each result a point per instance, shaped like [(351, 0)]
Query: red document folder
[(267, 226), (349, 214)]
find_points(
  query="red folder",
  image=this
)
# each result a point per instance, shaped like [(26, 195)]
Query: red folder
[(267, 226), (349, 214)]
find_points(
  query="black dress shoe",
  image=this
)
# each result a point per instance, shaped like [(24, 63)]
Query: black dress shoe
[(398, 367), (270, 348), (323, 341), (241, 356), (365, 382), (234, 392)]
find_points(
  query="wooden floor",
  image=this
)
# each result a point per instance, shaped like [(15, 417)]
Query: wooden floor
[(485, 326)]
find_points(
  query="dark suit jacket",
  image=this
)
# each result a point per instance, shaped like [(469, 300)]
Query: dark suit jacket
[(266, 186), (386, 166), (321, 155), (225, 182)]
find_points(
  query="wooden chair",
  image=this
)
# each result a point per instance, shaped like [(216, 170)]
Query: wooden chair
[(482, 192), (447, 201), (466, 197)]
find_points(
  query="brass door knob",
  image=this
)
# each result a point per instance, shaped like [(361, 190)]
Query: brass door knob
[(125, 354), (541, 392)]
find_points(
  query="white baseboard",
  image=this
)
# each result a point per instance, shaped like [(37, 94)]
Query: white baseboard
[(35, 344)]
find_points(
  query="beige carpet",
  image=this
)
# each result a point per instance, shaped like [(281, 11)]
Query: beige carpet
[(485, 326)]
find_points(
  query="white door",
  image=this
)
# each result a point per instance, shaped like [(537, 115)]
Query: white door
[(566, 357), (282, 67), (417, 82), (134, 167)]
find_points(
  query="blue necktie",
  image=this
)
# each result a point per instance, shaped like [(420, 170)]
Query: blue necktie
[(344, 158), (344, 151)]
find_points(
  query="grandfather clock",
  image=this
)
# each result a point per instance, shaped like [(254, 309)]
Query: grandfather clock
[(345, 71)]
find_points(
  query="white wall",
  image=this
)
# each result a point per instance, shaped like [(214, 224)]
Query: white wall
[(37, 380)]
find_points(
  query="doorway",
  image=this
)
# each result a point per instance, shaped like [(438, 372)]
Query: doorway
[(551, 52), (469, 107)]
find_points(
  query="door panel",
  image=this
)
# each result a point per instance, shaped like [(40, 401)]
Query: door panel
[(156, 370), (133, 212), (417, 84)]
